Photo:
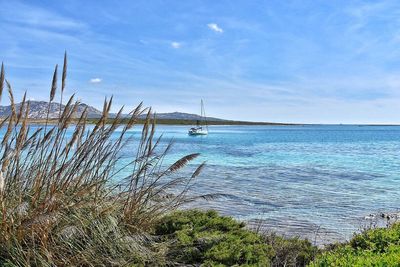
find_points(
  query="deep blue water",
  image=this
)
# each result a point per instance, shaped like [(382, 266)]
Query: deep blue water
[(299, 180)]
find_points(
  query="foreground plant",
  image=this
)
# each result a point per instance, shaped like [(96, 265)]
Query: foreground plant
[(204, 237), (59, 204), (372, 247)]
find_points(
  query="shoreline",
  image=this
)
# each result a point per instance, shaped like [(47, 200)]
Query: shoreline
[(173, 122), (170, 122)]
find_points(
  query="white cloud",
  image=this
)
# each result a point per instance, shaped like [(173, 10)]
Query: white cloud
[(215, 27), (95, 80), (176, 45)]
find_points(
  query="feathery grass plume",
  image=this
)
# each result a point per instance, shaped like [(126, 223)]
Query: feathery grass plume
[(2, 182), (21, 138), (63, 80), (54, 84), (67, 199), (51, 98), (198, 170), (108, 109), (12, 101), (8, 131), (64, 74), (21, 108), (182, 162), (68, 113), (134, 115), (2, 75)]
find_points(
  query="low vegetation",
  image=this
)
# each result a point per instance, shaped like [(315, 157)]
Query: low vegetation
[(374, 247), (198, 237)]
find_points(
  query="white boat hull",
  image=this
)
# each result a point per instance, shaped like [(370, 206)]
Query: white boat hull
[(197, 132)]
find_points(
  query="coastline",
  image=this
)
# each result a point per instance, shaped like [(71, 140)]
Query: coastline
[(174, 122), (169, 122)]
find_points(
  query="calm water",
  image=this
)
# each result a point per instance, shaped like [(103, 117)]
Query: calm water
[(314, 181)]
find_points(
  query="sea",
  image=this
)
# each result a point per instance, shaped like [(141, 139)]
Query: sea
[(321, 182)]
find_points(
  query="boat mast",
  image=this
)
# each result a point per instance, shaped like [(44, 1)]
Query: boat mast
[(203, 114)]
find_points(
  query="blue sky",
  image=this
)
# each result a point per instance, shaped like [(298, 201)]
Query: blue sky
[(281, 61)]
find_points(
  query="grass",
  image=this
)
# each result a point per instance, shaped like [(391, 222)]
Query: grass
[(59, 205)]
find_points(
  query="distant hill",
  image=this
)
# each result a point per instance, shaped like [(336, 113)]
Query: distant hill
[(38, 110), (181, 116)]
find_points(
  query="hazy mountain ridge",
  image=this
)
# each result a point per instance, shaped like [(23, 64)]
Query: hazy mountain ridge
[(38, 110), (181, 116)]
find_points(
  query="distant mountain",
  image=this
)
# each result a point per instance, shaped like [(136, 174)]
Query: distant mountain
[(181, 116), (38, 110)]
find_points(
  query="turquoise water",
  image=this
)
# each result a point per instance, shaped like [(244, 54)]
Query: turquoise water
[(314, 181)]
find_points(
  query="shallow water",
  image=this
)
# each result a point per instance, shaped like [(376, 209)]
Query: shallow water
[(315, 181)]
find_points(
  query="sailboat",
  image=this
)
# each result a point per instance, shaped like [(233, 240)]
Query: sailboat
[(201, 127)]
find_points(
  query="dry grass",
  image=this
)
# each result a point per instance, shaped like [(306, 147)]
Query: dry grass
[(58, 204)]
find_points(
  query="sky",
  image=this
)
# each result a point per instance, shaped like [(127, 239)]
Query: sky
[(279, 61)]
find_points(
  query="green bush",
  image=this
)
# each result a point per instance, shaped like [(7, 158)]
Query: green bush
[(375, 247), (290, 251), (213, 240)]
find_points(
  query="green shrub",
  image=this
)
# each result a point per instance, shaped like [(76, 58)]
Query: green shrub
[(213, 240), (375, 247), (290, 251)]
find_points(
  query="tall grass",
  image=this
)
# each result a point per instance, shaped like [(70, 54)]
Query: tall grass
[(59, 205)]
